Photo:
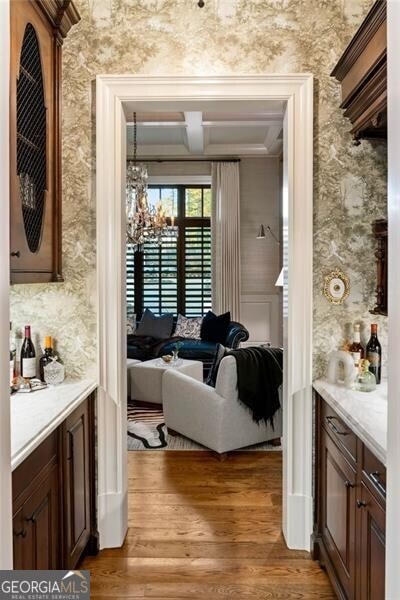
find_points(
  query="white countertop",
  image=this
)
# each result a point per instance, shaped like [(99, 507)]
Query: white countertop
[(364, 412), (34, 416)]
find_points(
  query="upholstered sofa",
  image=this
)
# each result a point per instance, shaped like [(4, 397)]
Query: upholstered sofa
[(146, 348), (214, 417)]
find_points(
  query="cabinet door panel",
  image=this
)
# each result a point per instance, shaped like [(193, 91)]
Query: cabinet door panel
[(36, 526), (372, 548), (24, 261), (338, 512), (77, 484)]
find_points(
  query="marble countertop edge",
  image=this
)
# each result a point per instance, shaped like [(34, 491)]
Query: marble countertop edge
[(370, 426), (67, 406)]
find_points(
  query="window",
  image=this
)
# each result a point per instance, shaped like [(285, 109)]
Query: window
[(176, 276)]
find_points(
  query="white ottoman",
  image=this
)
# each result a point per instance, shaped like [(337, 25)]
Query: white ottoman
[(146, 377), (129, 364)]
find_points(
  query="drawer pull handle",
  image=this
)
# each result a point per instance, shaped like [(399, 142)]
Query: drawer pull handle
[(23, 533), (334, 428), (361, 504), (348, 484), (374, 477), (17, 254)]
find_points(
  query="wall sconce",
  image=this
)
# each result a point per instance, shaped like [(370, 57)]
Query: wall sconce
[(261, 233)]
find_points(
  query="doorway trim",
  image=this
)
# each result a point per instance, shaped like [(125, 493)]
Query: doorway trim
[(112, 91)]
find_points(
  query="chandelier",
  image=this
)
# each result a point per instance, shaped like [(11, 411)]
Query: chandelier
[(143, 224)]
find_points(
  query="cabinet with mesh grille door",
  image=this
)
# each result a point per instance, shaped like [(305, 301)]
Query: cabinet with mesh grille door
[(38, 28)]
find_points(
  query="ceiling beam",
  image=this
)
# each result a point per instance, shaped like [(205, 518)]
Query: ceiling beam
[(233, 124), (194, 132)]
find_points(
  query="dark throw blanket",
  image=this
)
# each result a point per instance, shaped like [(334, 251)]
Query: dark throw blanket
[(259, 373)]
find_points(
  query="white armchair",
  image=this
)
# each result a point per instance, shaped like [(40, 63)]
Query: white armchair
[(214, 417)]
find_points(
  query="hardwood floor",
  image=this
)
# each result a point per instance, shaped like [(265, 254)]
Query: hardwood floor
[(205, 530)]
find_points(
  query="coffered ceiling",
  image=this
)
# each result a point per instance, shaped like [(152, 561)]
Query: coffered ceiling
[(208, 133)]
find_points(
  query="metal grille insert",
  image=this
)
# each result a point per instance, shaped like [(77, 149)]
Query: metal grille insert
[(31, 138)]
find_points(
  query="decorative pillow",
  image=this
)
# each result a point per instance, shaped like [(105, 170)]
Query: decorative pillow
[(215, 329), (157, 327), (130, 323), (188, 328), (220, 353)]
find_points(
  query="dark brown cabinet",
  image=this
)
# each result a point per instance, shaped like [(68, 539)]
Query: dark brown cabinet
[(362, 73), (337, 514), (38, 28), (35, 526), (349, 519), (77, 477), (54, 517), (380, 232), (372, 546)]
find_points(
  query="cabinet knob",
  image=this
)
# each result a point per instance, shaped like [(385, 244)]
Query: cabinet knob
[(22, 533), (17, 254), (361, 503), (348, 484)]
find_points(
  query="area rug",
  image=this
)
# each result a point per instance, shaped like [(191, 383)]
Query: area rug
[(147, 431)]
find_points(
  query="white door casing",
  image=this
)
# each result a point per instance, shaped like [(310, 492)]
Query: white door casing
[(152, 91), (6, 559)]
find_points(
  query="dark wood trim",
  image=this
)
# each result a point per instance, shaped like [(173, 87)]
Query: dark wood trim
[(380, 232), (361, 71), (93, 545), (374, 19)]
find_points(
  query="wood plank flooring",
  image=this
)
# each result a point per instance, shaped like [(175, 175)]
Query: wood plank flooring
[(205, 530)]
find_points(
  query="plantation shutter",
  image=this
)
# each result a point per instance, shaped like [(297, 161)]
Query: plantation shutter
[(197, 276), (160, 276)]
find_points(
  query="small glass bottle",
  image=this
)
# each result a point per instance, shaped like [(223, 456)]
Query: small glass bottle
[(365, 381), (356, 348)]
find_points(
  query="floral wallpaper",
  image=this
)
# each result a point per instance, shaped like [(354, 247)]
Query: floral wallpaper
[(225, 37)]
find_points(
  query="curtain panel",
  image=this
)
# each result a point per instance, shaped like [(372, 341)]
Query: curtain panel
[(225, 227)]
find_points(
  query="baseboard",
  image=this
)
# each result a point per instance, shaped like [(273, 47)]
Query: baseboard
[(298, 525), (112, 519)]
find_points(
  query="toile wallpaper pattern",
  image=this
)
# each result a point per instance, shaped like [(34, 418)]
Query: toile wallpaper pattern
[(225, 37)]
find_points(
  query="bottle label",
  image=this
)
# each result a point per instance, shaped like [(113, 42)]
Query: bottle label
[(28, 367), (356, 357), (374, 359)]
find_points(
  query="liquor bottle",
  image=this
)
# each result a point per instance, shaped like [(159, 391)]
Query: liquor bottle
[(374, 353), (45, 359), (28, 356), (356, 348)]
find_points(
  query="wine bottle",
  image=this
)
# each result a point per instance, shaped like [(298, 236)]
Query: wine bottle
[(45, 359), (374, 353), (356, 348), (28, 356)]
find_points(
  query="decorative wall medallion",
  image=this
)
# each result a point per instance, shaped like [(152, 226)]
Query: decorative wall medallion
[(336, 287)]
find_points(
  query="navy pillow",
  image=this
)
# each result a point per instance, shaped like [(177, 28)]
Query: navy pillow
[(220, 352), (215, 329), (156, 327)]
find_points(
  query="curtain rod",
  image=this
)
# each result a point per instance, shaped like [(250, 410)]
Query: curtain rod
[(161, 160)]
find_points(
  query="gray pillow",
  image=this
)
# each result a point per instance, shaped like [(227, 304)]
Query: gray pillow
[(156, 327)]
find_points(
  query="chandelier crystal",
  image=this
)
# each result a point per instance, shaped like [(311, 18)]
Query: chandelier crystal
[(143, 224)]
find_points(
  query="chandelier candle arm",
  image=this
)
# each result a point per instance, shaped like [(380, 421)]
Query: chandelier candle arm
[(143, 224)]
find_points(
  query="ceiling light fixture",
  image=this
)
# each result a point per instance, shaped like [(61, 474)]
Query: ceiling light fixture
[(143, 224)]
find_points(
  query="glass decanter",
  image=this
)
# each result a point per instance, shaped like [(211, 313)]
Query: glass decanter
[(365, 380), (54, 372)]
